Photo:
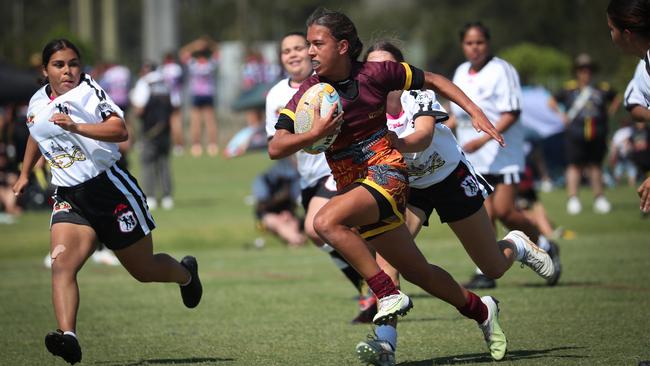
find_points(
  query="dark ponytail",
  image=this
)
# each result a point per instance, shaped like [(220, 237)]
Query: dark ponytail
[(633, 15), (55, 46), (341, 28)]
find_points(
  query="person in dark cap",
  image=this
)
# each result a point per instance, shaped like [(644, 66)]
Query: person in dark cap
[(587, 106)]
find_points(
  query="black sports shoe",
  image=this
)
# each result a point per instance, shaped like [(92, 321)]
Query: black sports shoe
[(64, 346), (554, 253), (365, 316), (191, 292), (479, 281)]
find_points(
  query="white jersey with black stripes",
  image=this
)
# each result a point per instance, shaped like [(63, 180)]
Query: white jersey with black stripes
[(73, 158), (496, 90), (638, 89), (441, 157), (311, 167)]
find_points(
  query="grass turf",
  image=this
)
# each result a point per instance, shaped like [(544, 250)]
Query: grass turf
[(280, 306)]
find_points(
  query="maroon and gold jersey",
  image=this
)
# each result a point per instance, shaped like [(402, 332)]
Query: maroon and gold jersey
[(363, 96), (361, 153)]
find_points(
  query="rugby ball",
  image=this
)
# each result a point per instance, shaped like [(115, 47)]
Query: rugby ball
[(325, 96)]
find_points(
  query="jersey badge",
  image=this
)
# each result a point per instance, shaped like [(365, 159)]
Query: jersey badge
[(104, 108), (125, 218), (62, 206), (470, 186), (30, 120)]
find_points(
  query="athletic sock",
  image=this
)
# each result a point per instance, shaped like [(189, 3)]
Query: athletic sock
[(543, 243), (474, 308), (345, 267), (520, 247), (387, 333), (71, 333), (382, 285), (478, 271)]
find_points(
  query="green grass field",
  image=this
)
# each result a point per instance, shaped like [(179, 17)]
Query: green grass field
[(280, 306)]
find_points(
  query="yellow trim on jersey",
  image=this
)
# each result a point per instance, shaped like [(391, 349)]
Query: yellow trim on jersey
[(289, 113), (389, 226), (409, 76)]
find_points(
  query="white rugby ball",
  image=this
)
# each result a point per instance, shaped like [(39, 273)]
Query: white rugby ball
[(325, 96)]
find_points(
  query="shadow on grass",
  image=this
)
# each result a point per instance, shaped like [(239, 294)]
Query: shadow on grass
[(588, 284), (483, 357), (168, 361)]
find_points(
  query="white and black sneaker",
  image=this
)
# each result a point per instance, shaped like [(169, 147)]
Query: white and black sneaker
[(534, 257)]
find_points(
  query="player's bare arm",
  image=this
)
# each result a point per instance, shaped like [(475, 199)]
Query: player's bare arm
[(113, 129), (285, 143)]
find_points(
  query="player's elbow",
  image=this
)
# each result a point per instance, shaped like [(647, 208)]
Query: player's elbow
[(122, 135), (276, 152)]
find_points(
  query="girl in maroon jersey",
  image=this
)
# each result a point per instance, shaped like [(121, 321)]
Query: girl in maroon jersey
[(371, 176)]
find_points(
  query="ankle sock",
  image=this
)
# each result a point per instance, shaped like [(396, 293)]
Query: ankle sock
[(474, 308), (382, 285)]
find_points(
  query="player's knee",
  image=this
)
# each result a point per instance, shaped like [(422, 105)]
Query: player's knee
[(323, 225), (493, 273)]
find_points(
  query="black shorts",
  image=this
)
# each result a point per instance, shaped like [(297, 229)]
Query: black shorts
[(320, 189), (458, 196), (496, 179), (111, 203), (203, 101), (581, 152)]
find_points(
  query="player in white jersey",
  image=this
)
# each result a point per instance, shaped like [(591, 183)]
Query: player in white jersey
[(77, 126), (316, 181), (493, 84), (440, 177), (629, 28), (635, 102)]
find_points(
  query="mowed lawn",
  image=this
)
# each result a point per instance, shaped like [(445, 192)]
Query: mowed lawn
[(280, 306)]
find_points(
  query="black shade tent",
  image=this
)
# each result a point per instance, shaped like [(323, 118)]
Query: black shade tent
[(16, 85)]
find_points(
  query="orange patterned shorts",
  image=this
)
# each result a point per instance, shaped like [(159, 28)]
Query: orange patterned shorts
[(379, 167)]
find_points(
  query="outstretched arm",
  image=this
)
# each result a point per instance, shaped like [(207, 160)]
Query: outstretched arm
[(449, 90)]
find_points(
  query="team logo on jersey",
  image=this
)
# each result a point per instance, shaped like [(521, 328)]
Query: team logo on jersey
[(470, 186), (424, 100), (61, 159), (61, 206), (63, 108), (30, 120), (105, 109), (125, 218)]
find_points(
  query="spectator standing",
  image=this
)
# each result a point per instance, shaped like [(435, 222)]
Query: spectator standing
[(173, 75), (151, 100), (586, 109), (201, 58)]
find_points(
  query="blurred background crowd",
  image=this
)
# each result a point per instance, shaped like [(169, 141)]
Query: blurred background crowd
[(217, 60)]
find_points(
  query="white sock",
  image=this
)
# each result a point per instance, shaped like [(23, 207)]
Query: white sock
[(387, 333), (520, 245), (543, 243), (479, 272), (70, 333)]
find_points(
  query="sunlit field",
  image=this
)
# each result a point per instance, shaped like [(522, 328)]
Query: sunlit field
[(279, 306)]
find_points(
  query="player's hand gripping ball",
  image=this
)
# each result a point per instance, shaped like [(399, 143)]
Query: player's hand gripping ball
[(325, 96)]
